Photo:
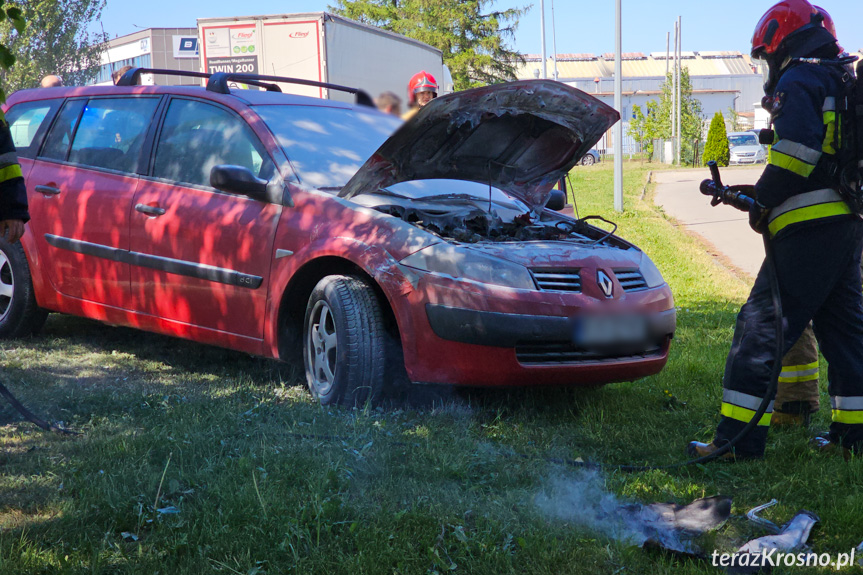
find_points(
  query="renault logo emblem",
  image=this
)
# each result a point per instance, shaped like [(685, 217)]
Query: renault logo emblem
[(604, 283)]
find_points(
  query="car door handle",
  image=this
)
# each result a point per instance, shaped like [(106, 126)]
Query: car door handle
[(150, 210), (48, 190)]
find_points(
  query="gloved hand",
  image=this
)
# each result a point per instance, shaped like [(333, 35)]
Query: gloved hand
[(758, 215)]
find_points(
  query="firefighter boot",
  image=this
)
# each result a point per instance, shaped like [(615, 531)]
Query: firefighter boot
[(698, 449), (792, 414), (823, 444)]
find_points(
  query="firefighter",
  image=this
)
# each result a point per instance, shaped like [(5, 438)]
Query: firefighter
[(422, 89), (13, 194), (815, 238)]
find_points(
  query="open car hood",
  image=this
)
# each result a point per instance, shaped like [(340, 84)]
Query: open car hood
[(521, 137)]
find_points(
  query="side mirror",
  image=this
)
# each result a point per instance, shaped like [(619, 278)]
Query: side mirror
[(238, 180), (556, 201)]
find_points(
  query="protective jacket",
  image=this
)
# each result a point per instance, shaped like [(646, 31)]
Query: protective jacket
[(800, 181), (13, 193)]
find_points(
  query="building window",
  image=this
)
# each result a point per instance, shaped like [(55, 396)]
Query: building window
[(106, 70)]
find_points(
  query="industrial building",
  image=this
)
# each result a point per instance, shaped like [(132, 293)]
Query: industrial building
[(165, 48)]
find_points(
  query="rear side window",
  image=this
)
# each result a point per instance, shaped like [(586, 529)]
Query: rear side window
[(57, 145), (197, 136), (25, 120), (111, 133)]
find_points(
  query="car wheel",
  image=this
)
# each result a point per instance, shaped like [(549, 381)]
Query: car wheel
[(588, 160), (344, 345), (19, 314)]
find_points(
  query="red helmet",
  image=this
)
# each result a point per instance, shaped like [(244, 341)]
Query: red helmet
[(421, 82), (780, 22), (790, 29)]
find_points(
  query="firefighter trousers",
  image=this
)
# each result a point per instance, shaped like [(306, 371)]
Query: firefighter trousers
[(797, 393), (818, 270)]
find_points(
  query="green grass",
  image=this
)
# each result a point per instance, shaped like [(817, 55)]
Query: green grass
[(265, 481)]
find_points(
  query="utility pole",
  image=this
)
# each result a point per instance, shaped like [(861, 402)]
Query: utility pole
[(667, 51), (674, 96), (542, 36), (679, 89), (553, 40), (618, 102)]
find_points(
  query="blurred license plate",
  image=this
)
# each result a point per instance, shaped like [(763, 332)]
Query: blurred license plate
[(609, 331)]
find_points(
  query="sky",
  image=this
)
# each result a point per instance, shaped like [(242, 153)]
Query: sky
[(581, 25)]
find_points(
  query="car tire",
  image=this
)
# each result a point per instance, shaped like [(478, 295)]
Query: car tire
[(19, 314), (344, 342), (588, 160)]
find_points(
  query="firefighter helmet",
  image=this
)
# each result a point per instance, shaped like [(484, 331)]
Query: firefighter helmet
[(421, 82), (789, 29)]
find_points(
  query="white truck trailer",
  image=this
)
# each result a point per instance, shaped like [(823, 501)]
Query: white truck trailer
[(317, 46)]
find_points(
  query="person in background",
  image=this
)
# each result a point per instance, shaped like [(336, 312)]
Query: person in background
[(389, 103), (422, 89), (117, 74), (52, 81)]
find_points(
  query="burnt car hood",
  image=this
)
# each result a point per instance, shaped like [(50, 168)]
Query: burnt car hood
[(521, 137)]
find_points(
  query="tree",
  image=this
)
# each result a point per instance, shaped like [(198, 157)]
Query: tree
[(656, 123), (56, 41), (716, 147), (11, 16), (470, 33)]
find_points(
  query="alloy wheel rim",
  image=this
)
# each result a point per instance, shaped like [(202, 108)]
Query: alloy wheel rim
[(7, 286), (321, 348)]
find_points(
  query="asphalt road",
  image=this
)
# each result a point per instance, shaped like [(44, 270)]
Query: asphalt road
[(725, 229)]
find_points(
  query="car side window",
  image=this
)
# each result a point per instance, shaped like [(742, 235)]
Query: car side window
[(197, 136), (111, 133), (24, 120), (57, 144)]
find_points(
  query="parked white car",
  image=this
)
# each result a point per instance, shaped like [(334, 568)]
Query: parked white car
[(745, 149)]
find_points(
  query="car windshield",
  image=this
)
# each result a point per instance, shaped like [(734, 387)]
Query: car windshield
[(743, 140), (326, 146)]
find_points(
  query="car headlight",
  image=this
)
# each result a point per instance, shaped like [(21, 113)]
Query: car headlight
[(464, 263), (650, 272)]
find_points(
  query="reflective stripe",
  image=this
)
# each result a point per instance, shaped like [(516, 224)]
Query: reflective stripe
[(744, 415), (797, 373), (808, 206), (8, 158), (830, 134), (790, 163), (798, 151), (851, 417), (847, 403), (829, 104), (740, 399), (9, 172), (847, 409)]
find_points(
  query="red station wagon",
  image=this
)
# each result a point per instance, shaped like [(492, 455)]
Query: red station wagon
[(375, 252)]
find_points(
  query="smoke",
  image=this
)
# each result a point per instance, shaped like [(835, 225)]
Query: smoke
[(582, 500)]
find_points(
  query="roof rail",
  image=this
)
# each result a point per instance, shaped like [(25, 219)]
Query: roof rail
[(132, 77), (219, 83)]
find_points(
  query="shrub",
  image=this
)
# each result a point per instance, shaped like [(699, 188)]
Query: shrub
[(716, 147)]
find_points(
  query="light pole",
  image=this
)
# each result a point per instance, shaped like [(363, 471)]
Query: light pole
[(542, 36), (618, 101)]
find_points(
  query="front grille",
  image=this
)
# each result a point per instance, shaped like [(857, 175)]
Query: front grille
[(630, 280), (567, 280), (566, 353)]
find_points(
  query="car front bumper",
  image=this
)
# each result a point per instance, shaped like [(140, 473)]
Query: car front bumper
[(464, 334)]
